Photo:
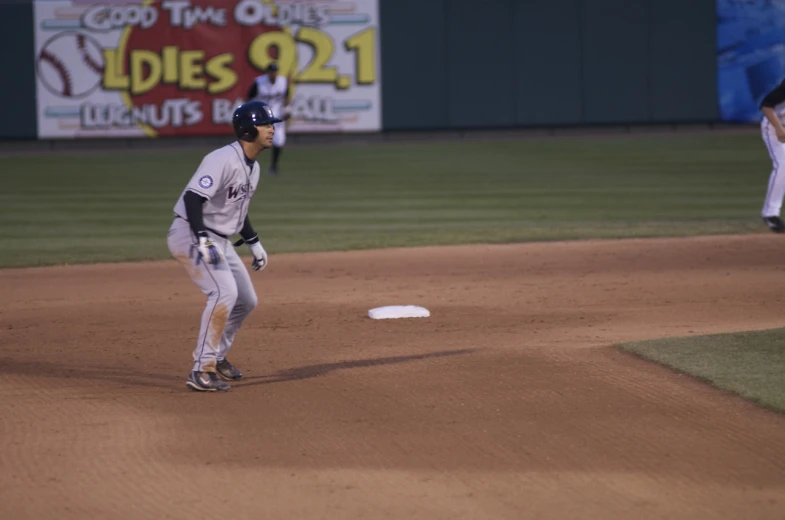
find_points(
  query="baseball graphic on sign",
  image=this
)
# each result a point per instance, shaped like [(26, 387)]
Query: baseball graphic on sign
[(70, 64)]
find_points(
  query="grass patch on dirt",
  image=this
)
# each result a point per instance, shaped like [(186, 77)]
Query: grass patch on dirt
[(749, 364), (101, 207)]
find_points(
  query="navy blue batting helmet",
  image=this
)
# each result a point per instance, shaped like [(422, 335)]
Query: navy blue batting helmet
[(250, 115)]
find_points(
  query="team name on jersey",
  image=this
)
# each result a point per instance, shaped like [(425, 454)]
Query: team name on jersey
[(237, 193)]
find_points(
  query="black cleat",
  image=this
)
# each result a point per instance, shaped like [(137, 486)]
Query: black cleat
[(775, 224), (228, 371), (206, 382)]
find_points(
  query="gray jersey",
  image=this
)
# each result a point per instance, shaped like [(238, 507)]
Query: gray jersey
[(228, 183)]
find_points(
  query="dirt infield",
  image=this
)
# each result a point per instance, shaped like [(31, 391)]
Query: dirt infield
[(509, 402)]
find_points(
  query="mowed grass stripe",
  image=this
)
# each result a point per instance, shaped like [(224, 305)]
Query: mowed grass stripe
[(304, 215), (140, 245), (102, 207)]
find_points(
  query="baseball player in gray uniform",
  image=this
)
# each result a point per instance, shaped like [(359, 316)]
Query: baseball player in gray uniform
[(773, 132), (213, 207), (273, 89)]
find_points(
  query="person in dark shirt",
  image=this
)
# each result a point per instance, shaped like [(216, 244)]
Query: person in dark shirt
[(773, 131)]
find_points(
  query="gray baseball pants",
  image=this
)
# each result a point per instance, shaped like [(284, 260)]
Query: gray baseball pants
[(230, 293)]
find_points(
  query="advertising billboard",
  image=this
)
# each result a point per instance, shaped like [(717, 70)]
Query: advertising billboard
[(180, 67)]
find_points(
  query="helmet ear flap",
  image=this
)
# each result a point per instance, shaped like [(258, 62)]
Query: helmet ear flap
[(250, 132)]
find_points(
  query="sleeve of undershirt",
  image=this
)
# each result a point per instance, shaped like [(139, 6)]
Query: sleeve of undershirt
[(193, 211), (775, 97), (253, 91), (247, 232)]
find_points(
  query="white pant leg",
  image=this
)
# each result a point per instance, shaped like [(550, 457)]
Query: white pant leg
[(246, 302), (217, 282), (776, 189), (279, 138)]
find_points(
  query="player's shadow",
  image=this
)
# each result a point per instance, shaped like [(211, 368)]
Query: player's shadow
[(39, 370), (130, 377), (310, 371)]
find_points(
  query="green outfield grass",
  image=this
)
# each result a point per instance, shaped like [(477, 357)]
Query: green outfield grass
[(97, 207), (749, 364)]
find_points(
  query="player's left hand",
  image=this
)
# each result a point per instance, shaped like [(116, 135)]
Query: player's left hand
[(259, 256)]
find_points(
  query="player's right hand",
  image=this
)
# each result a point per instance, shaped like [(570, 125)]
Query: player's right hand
[(208, 251)]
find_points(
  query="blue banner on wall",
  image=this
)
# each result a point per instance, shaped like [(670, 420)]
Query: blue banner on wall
[(751, 55)]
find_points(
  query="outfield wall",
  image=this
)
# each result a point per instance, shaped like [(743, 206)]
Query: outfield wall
[(17, 89), (456, 64), (462, 63)]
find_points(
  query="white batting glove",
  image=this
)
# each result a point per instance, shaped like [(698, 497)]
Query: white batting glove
[(259, 255), (208, 251)]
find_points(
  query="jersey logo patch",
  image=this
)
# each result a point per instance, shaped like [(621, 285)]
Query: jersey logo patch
[(206, 181)]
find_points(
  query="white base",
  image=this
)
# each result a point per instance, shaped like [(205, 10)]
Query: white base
[(398, 311)]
